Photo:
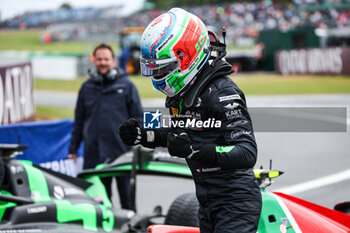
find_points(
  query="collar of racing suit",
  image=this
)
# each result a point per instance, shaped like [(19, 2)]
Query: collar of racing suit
[(209, 72)]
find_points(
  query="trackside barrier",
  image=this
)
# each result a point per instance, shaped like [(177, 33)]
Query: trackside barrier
[(48, 143), (16, 93), (313, 61)]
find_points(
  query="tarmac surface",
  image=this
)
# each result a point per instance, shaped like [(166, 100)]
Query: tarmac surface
[(316, 162)]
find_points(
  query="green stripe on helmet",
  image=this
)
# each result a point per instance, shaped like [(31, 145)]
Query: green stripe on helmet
[(165, 52), (176, 81)]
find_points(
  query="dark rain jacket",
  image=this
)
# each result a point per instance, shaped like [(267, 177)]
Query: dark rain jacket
[(102, 106)]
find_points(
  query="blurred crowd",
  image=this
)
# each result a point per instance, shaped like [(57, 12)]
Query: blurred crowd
[(37, 19), (240, 19), (246, 19)]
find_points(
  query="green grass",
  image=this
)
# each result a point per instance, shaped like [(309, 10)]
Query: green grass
[(143, 85), (50, 113), (235, 47), (145, 88), (251, 84), (28, 40), (59, 85), (273, 84)]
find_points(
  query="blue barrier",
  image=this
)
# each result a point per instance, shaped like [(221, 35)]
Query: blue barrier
[(48, 143)]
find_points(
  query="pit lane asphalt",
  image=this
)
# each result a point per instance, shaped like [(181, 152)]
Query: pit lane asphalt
[(303, 156)]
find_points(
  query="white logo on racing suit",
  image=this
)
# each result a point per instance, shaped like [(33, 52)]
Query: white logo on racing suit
[(237, 134), (240, 122), (195, 115), (229, 97), (199, 102), (231, 106), (233, 114), (209, 169)]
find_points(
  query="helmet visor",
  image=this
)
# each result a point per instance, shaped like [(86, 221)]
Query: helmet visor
[(157, 67)]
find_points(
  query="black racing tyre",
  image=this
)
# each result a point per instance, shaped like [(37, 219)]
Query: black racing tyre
[(183, 211)]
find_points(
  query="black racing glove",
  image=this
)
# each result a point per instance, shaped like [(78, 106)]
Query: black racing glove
[(131, 133), (180, 145)]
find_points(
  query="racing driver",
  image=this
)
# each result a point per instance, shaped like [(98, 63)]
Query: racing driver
[(186, 63)]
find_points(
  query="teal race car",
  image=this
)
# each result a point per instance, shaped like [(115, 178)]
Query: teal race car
[(35, 199)]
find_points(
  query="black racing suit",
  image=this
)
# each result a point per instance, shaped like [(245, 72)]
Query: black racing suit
[(228, 193)]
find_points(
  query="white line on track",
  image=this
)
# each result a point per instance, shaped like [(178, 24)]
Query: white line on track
[(317, 183)]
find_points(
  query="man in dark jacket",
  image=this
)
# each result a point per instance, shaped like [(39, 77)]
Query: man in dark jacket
[(213, 130), (107, 99)]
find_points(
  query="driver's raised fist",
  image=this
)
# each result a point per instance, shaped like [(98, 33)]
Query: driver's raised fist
[(131, 133)]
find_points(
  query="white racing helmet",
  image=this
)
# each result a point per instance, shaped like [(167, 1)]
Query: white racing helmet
[(174, 47)]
